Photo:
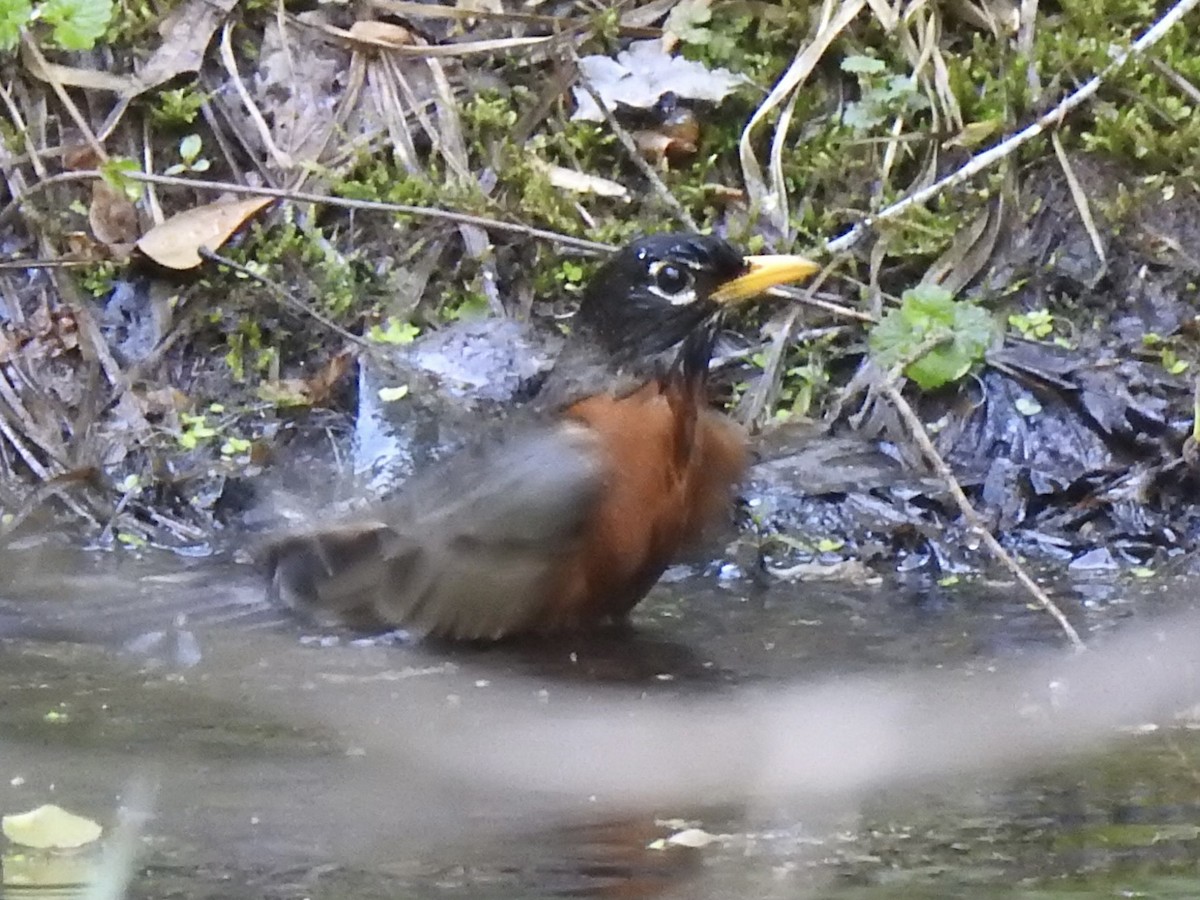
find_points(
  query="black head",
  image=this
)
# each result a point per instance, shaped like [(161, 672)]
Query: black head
[(655, 293), (661, 298)]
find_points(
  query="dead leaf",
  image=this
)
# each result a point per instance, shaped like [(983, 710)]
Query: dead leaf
[(112, 216), (186, 33), (639, 77), (381, 34), (581, 182), (314, 391), (176, 242), (49, 827), (82, 247), (79, 156), (163, 401), (652, 145), (300, 79), (322, 384)]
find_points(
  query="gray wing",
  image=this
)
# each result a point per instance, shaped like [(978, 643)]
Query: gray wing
[(466, 551)]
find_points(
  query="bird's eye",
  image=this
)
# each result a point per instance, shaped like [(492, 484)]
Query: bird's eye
[(670, 279)]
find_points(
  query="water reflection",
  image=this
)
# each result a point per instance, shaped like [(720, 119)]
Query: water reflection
[(269, 783)]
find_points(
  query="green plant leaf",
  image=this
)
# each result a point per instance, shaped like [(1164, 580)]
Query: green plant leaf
[(78, 24), (926, 314), (863, 65), (115, 173), (394, 332), (14, 15), (189, 148), (689, 20)]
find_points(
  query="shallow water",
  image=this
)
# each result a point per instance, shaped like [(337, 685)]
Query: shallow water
[(263, 790)]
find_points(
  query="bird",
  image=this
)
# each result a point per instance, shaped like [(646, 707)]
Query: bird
[(568, 518)]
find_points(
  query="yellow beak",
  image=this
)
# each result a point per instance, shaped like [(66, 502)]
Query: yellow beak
[(764, 272)]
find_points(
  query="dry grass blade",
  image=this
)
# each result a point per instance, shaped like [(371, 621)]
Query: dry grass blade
[(1081, 203), (970, 250), (450, 140), (282, 159), (17, 442), (32, 54), (16, 181), (71, 76), (449, 51), (384, 93), (773, 201)]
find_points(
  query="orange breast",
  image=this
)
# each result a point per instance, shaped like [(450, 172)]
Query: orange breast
[(670, 466)]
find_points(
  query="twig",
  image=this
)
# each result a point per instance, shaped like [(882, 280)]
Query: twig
[(794, 295), (288, 299), (378, 354), (974, 520), (1184, 86), (428, 212), (31, 149), (660, 188), (1006, 147)]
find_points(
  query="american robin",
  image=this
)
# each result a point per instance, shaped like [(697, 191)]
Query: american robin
[(571, 517)]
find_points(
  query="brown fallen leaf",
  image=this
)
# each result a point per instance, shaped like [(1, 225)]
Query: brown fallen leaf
[(112, 216), (78, 155), (660, 148), (381, 34), (82, 247), (313, 391), (162, 401), (176, 242)]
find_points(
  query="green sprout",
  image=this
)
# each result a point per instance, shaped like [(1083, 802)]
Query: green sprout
[(936, 338)]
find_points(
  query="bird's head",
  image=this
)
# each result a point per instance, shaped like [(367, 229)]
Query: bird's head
[(663, 297)]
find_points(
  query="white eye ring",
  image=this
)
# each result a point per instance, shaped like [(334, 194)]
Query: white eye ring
[(674, 283)]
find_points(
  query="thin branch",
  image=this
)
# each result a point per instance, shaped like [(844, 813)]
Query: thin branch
[(288, 300), (974, 520), (428, 212)]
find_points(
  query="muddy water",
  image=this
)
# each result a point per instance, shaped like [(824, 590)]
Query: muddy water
[(257, 794)]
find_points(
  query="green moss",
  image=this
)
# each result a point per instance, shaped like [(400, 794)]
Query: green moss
[(756, 39), (1139, 117), (135, 23), (177, 108), (97, 279)]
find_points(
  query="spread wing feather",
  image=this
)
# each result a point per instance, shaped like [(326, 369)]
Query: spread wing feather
[(465, 552)]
